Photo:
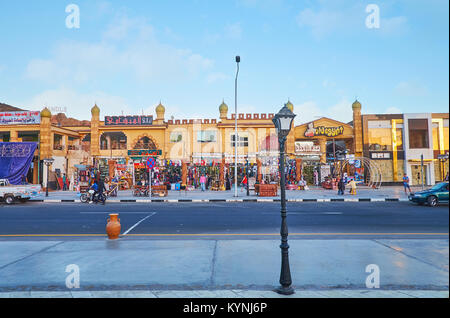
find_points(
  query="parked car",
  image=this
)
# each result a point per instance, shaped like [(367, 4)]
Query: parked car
[(432, 196), (11, 193)]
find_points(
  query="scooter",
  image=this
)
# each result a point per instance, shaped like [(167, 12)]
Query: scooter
[(90, 197)]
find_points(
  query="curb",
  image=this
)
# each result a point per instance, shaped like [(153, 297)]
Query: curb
[(234, 200)]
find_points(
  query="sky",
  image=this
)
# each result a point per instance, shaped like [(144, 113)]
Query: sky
[(127, 56)]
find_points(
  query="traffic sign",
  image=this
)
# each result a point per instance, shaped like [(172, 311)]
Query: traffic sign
[(151, 162)]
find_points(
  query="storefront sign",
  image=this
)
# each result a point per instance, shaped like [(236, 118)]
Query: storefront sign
[(20, 118), (139, 166), (380, 155), (121, 167), (306, 147), (145, 153), (312, 131), (128, 120)]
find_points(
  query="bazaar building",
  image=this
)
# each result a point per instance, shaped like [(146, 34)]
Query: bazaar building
[(387, 145)]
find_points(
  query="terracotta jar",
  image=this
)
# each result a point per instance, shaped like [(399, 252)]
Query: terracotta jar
[(113, 227)]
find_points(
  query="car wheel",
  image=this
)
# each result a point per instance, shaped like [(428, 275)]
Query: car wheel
[(432, 201), (9, 199)]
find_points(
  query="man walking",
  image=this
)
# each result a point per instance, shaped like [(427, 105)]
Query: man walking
[(406, 183)]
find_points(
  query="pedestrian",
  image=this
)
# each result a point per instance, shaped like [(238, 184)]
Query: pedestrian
[(244, 183), (101, 189), (341, 186), (406, 183), (202, 182), (64, 179), (316, 178), (352, 185)]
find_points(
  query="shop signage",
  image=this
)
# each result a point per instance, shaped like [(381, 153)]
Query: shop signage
[(380, 155), (20, 118), (145, 153), (121, 167), (139, 166), (312, 131), (306, 147), (128, 120)]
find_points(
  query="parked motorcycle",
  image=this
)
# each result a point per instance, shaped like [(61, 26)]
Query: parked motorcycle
[(94, 197)]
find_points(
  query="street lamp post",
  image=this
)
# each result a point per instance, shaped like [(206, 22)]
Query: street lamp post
[(283, 121), (247, 174), (48, 162), (238, 60)]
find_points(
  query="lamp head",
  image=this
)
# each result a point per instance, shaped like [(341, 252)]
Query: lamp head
[(238, 59), (283, 121)]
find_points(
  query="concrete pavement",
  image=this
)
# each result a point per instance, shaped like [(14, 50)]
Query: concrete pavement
[(317, 194), (214, 265)]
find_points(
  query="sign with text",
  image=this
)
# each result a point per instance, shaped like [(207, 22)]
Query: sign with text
[(128, 120), (380, 155), (306, 147), (312, 131), (145, 153), (20, 118)]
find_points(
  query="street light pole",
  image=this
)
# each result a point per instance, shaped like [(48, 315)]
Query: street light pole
[(48, 163), (248, 183), (283, 121), (238, 60)]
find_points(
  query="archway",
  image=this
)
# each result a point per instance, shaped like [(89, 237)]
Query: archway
[(373, 176)]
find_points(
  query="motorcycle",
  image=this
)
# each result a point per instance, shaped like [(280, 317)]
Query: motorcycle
[(92, 196)]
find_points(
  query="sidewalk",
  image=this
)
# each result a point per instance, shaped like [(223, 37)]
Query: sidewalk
[(315, 194), (222, 268)]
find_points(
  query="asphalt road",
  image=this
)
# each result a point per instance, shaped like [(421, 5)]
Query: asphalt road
[(336, 220)]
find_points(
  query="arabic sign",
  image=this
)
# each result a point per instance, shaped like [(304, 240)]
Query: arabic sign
[(312, 131), (306, 147), (20, 118), (128, 120), (145, 153)]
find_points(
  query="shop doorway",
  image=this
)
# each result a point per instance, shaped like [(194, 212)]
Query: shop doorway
[(416, 174)]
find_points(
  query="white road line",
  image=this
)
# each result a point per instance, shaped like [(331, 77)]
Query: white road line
[(152, 214), (111, 212)]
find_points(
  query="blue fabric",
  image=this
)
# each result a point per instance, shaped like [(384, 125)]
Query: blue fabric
[(15, 160)]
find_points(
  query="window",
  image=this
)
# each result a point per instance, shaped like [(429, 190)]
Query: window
[(206, 136), (418, 133), (380, 135), (176, 137), (242, 142)]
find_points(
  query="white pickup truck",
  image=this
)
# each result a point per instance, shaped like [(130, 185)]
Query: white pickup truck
[(11, 193)]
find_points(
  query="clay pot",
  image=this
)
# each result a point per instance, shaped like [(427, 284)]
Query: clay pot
[(113, 227)]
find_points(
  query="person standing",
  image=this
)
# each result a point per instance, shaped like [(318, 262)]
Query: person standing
[(202, 182), (341, 186), (244, 183), (64, 180), (406, 183), (352, 185)]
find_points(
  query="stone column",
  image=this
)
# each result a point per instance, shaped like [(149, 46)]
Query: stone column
[(357, 129), (13, 136), (298, 168), (323, 150), (95, 136)]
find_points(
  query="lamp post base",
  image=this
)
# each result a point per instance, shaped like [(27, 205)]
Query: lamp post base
[(285, 290)]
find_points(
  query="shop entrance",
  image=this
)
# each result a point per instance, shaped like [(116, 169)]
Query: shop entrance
[(416, 174)]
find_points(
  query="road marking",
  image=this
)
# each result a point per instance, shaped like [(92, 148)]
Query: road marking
[(128, 231), (227, 234), (110, 212), (305, 213)]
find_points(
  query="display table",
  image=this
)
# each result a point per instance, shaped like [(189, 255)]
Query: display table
[(159, 190), (266, 190)]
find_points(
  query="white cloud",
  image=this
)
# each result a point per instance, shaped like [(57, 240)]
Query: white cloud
[(340, 17), (78, 104), (393, 110), (233, 31), (128, 48), (216, 77), (311, 110), (411, 89)]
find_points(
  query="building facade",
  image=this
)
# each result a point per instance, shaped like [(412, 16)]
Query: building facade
[(394, 143)]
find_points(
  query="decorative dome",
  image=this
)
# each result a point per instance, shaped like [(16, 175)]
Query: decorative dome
[(160, 108), (223, 108), (356, 105), (290, 106), (45, 113), (95, 110)]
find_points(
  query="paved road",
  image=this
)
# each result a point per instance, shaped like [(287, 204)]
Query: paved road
[(227, 220)]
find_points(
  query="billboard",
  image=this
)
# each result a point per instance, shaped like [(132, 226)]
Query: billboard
[(20, 118)]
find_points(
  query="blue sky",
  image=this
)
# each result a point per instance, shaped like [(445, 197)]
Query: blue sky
[(128, 55)]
